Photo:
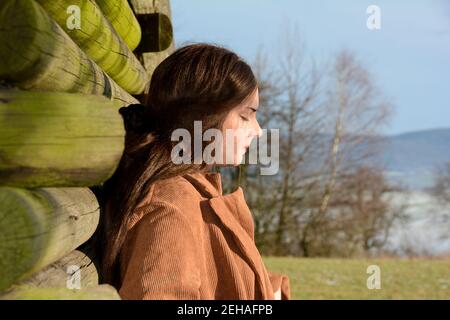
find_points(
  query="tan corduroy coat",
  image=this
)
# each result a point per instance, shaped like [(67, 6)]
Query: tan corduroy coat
[(189, 241)]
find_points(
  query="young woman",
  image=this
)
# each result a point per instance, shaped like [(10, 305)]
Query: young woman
[(168, 231)]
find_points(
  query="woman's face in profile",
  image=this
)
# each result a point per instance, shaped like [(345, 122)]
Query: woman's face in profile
[(239, 129)]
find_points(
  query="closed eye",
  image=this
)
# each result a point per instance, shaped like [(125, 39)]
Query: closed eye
[(246, 119)]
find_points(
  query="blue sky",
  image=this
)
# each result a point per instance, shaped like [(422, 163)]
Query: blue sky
[(409, 56)]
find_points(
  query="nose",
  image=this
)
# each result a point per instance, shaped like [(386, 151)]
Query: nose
[(259, 131)]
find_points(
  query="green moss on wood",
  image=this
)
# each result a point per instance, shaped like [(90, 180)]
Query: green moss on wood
[(101, 292), (36, 54), (100, 41), (143, 7), (40, 226), (58, 139), (157, 32), (121, 16)]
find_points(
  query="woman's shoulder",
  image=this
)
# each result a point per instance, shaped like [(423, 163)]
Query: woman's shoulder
[(182, 189), (176, 191), (169, 195)]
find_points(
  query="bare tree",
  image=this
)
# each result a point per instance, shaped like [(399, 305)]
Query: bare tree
[(299, 120), (353, 112), (441, 187), (363, 214), (263, 203), (441, 191), (289, 95), (328, 120)]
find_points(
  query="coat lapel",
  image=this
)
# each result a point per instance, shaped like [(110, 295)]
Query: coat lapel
[(235, 215), (233, 212)]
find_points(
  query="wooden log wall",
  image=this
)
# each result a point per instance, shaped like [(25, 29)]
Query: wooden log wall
[(98, 39), (144, 9), (123, 19), (38, 55), (61, 135)]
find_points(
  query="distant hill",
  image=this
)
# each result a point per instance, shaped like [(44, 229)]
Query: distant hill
[(409, 159), (412, 158)]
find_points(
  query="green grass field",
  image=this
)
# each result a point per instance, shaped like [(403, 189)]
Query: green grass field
[(313, 278)]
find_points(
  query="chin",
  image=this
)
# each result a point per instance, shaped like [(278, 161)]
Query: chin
[(237, 160), (240, 158)]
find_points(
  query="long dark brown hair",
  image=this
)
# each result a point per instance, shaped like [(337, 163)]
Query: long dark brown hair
[(196, 82)]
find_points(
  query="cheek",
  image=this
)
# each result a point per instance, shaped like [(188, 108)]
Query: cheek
[(240, 138), (229, 140), (230, 128), (238, 133)]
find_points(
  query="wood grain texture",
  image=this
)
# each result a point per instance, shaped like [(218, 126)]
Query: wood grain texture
[(40, 226), (58, 273), (157, 32), (36, 54), (100, 41), (151, 60), (121, 16), (100, 292), (51, 139)]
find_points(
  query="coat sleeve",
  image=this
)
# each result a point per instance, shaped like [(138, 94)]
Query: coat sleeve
[(161, 258), (281, 285)]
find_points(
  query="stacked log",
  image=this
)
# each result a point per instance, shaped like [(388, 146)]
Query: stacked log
[(159, 42), (39, 55), (58, 139), (98, 39), (40, 226), (121, 16), (61, 135), (100, 292), (75, 270)]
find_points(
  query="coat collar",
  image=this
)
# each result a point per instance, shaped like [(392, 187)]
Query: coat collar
[(208, 184), (235, 215)]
